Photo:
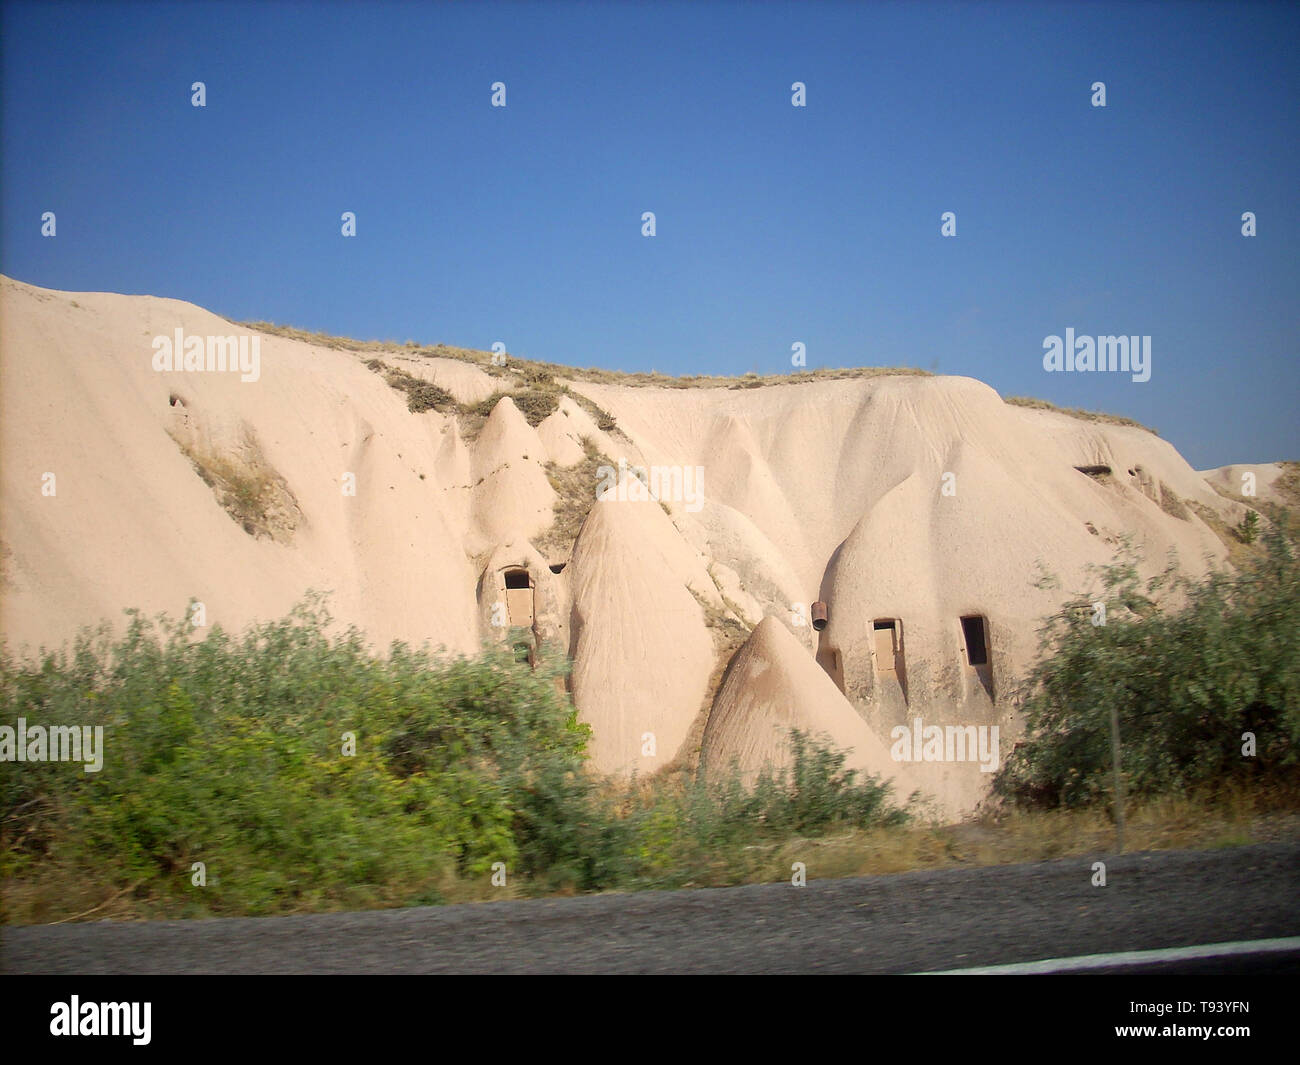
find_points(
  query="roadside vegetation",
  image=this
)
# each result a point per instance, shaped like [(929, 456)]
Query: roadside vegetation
[(1204, 678), (306, 774)]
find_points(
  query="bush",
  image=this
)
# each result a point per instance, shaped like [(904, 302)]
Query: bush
[(427, 396), (1248, 528), (421, 395), (535, 405), (230, 751), (1187, 672)]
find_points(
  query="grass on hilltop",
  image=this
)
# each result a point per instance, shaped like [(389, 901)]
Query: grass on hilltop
[(1078, 412), (594, 374), (536, 394)]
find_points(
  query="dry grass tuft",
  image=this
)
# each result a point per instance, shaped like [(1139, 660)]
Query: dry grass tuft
[(483, 359), (1172, 504), (1233, 817), (247, 487), (1077, 412), (575, 490)]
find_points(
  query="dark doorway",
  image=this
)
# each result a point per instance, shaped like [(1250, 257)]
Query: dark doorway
[(974, 630), (977, 650)]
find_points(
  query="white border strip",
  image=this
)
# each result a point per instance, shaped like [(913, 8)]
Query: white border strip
[(1128, 957)]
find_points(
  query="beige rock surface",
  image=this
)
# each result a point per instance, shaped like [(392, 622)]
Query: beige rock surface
[(906, 499)]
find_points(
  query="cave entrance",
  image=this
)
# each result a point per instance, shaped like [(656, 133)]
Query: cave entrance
[(974, 631), (891, 669), (887, 634), (519, 598), (977, 648)]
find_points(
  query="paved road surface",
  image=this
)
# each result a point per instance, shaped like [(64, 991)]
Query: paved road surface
[(912, 922)]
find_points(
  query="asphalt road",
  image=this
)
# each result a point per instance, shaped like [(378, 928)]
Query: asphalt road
[(911, 922)]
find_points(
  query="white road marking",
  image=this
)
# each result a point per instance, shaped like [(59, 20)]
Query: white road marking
[(1128, 957)]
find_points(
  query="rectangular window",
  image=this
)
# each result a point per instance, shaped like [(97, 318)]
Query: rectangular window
[(885, 633), (977, 649)]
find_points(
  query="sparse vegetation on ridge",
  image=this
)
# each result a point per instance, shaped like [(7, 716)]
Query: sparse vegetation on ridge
[(575, 491), (728, 632), (1240, 552), (1172, 503), (1283, 513), (537, 398), (247, 488), (421, 395), (597, 375), (1077, 412)]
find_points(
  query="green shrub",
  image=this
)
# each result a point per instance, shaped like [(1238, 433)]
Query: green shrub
[(230, 751), (421, 395), (427, 396), (1248, 528), (1188, 672), (535, 405)]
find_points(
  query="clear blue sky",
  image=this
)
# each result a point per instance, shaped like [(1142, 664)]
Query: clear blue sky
[(775, 224)]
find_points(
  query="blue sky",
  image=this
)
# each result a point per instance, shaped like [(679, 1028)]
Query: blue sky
[(775, 224)]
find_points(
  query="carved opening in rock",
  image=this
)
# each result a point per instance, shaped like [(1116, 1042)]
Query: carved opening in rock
[(974, 630), (887, 633), (977, 650), (519, 598)]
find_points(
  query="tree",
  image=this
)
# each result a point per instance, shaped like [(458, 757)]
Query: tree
[(1248, 529)]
